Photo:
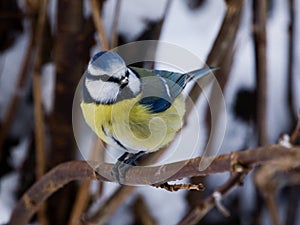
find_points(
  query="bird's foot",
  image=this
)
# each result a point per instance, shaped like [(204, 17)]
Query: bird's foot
[(123, 164)]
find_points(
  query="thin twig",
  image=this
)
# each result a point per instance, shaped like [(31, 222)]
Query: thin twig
[(96, 12), (272, 206), (67, 172), (38, 105), (142, 213), (259, 33), (115, 23), (269, 179), (223, 43), (295, 134), (70, 52), (111, 204), (267, 186), (197, 213), (177, 187), (81, 202), (291, 60), (292, 210), (221, 55), (82, 196)]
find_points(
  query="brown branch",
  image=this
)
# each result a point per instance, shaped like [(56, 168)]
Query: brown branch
[(292, 210), (223, 43), (46, 186), (81, 202), (82, 197), (296, 132), (177, 187), (190, 168), (111, 204), (115, 23), (291, 60), (263, 180), (67, 172), (38, 105), (239, 171), (141, 212), (221, 55), (119, 196), (96, 12), (293, 193), (269, 179), (272, 204), (259, 33), (70, 60), (37, 89), (197, 213)]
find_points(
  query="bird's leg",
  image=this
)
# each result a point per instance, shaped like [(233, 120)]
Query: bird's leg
[(132, 160), (123, 164), (123, 157)]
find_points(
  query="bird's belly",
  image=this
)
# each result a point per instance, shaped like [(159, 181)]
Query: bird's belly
[(131, 127)]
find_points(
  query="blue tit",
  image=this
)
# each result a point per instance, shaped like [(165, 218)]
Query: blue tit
[(133, 109)]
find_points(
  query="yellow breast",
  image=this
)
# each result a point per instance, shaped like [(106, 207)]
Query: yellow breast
[(131, 126)]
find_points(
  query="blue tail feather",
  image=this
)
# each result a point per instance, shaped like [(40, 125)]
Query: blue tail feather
[(201, 72)]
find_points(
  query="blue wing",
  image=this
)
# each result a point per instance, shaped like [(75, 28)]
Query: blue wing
[(155, 94), (161, 87), (155, 104), (177, 81)]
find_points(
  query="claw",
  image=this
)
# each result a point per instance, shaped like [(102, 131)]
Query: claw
[(123, 164)]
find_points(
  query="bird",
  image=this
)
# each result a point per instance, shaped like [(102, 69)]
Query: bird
[(135, 110)]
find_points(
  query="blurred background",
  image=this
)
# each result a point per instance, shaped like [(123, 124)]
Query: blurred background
[(44, 49)]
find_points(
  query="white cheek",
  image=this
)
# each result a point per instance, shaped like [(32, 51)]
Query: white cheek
[(102, 91)]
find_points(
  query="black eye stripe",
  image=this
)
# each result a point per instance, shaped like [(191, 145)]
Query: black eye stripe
[(107, 78), (115, 80), (111, 79)]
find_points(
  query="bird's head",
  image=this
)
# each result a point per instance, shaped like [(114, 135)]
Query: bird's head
[(108, 79)]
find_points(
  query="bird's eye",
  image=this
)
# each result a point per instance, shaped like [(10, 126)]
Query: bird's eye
[(127, 73)]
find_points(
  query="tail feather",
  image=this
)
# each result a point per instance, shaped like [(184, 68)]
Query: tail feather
[(201, 72)]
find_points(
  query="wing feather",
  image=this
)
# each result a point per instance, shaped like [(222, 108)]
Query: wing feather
[(161, 87)]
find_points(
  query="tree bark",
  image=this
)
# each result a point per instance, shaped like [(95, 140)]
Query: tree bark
[(69, 68)]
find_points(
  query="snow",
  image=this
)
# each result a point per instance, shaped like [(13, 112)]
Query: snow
[(47, 82), (195, 31), (132, 15), (285, 141), (8, 183), (9, 71), (6, 193), (166, 207), (277, 70)]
